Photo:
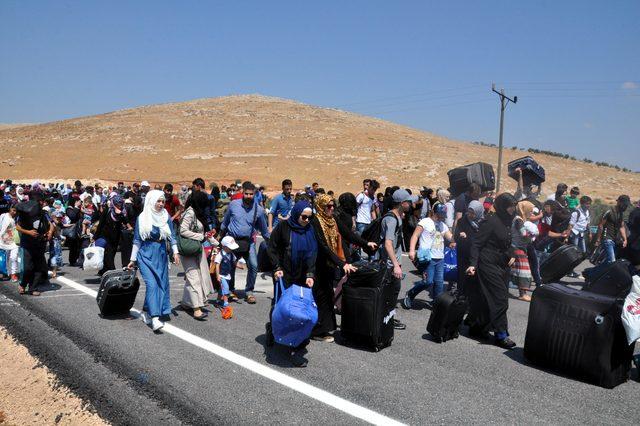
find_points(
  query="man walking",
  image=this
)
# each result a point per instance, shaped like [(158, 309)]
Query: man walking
[(611, 229), (242, 219), (281, 205)]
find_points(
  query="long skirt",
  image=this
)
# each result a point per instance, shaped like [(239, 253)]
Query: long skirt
[(326, 277), (493, 282), (520, 270), (154, 269), (197, 286)]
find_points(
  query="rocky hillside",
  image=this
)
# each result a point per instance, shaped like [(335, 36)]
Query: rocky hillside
[(264, 139)]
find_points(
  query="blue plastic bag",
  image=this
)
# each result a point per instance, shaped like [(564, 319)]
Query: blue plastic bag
[(450, 265), (294, 315), (3, 262)]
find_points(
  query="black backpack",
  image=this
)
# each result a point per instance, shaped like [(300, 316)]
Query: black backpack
[(372, 233)]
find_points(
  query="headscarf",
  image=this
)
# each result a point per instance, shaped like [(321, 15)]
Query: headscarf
[(478, 209), (116, 202), (348, 203), (183, 195), (525, 209), (198, 201), (502, 203), (57, 204), (444, 196), (329, 225), (303, 240), (20, 193), (150, 217)]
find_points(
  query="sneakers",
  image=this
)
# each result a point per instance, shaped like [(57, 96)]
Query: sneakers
[(145, 318), (398, 325), (505, 343), (156, 324), (250, 299), (326, 338), (406, 302)]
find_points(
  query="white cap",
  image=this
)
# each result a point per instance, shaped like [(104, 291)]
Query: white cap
[(145, 183), (229, 242)]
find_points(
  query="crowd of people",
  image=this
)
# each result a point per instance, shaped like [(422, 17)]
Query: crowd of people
[(312, 238)]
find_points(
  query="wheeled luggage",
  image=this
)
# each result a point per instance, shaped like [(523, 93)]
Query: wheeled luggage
[(117, 293), (264, 261), (532, 172), (294, 314), (447, 315), (562, 261), (461, 178), (579, 334), (610, 279), (368, 307)]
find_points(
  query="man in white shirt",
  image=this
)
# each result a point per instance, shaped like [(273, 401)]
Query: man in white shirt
[(579, 223), (365, 201)]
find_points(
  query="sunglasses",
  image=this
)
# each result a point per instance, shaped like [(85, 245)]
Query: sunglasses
[(331, 206), (305, 217)]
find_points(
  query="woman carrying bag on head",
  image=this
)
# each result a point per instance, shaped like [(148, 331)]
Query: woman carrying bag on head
[(293, 249), (197, 286), (153, 230)]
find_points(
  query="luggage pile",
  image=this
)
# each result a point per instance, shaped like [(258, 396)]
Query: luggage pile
[(461, 178)]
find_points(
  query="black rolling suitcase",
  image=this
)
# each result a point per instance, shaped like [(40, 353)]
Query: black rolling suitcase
[(578, 334), (117, 293), (562, 261), (609, 279), (447, 315), (532, 172), (368, 308), (461, 178)]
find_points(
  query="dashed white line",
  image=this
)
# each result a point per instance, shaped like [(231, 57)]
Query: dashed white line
[(311, 391)]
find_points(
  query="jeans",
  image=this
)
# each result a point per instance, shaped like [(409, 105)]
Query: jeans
[(434, 277), (360, 227), (610, 248), (55, 253), (578, 241), (224, 287), (251, 257)]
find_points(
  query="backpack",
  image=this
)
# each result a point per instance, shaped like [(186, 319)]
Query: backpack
[(374, 230)]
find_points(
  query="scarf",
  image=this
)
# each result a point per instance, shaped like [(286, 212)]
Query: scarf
[(20, 193), (116, 202), (303, 240), (502, 203), (525, 209), (199, 202), (328, 225), (150, 217), (478, 209)]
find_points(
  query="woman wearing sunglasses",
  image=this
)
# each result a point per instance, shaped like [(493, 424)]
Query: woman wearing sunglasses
[(293, 249), (333, 247)]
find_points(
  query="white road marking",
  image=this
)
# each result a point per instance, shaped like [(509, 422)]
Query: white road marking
[(49, 296), (313, 392)]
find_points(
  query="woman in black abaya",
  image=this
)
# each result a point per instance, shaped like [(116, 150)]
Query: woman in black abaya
[(490, 259)]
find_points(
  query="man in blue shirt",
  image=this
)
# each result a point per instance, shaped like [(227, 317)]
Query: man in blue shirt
[(242, 219), (281, 205)]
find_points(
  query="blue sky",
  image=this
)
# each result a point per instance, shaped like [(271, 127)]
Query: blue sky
[(574, 65)]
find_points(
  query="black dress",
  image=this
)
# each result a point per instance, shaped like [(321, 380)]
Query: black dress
[(328, 273), (463, 247), (279, 250), (111, 231), (490, 255)]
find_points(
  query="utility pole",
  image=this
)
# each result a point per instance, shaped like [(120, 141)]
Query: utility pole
[(504, 101)]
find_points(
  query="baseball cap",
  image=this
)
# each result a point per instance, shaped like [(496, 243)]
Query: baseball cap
[(229, 242), (439, 209), (401, 195), (144, 183)]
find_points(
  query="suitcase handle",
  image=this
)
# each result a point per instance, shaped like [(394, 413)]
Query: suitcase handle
[(134, 270)]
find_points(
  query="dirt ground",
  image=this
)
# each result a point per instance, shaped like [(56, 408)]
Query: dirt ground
[(31, 394)]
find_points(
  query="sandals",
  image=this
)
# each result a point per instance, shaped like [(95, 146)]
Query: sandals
[(251, 299), (21, 290)]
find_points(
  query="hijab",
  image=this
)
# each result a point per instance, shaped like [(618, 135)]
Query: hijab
[(198, 201), (117, 202), (20, 193), (525, 209), (328, 225), (150, 217), (348, 203), (478, 209), (502, 203), (303, 239)]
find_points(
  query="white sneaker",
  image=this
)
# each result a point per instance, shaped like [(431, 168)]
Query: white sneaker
[(145, 318), (156, 324)]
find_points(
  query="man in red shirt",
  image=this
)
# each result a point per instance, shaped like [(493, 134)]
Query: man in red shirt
[(172, 203)]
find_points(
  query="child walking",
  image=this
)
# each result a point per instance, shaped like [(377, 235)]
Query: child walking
[(523, 232), (226, 263)]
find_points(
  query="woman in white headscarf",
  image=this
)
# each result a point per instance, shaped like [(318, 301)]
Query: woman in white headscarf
[(154, 228)]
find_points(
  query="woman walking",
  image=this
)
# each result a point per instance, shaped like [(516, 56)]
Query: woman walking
[(293, 250), (112, 221), (197, 286), (491, 259), (465, 235), (153, 230)]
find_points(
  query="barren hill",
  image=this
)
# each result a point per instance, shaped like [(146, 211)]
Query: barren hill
[(264, 139)]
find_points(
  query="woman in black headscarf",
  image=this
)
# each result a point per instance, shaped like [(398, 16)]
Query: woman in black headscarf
[(112, 221), (465, 235), (491, 257), (345, 216)]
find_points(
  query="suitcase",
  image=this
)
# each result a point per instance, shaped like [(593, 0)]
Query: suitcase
[(3, 262), (578, 334), (447, 315), (264, 261), (117, 293), (609, 279), (532, 172), (368, 309), (562, 261), (462, 177)]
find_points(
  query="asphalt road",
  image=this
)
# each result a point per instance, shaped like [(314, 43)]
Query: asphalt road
[(219, 372)]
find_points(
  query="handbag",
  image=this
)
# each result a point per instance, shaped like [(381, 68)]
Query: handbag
[(188, 246), (245, 242), (294, 315)]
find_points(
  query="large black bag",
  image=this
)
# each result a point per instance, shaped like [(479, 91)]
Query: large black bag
[(368, 307), (609, 279), (532, 172), (562, 261), (447, 315), (579, 334), (461, 178), (264, 261), (117, 293)]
